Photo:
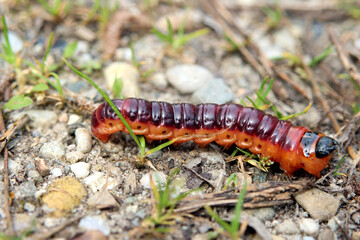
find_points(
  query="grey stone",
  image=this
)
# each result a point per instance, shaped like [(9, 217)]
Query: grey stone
[(80, 169), (263, 214), (14, 167), (320, 205), (26, 190), (29, 207), (309, 226), (326, 234), (73, 118), (33, 174), (158, 80), (188, 78), (52, 150), (287, 227), (95, 223), (214, 91), (22, 222)]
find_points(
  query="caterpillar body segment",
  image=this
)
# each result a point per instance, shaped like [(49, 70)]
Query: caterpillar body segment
[(293, 147)]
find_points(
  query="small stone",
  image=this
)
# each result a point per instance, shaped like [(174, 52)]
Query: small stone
[(129, 75), (355, 236), (56, 172), (103, 200), (42, 167), (15, 41), (80, 169), (111, 147), (52, 150), (91, 235), (320, 205), (356, 218), (74, 118), (95, 223), (35, 175), (21, 222), (97, 180), (188, 78), (287, 227), (29, 207), (75, 156), (51, 222), (39, 118), (158, 80), (308, 238), (26, 190), (83, 140), (263, 214), (157, 177), (214, 91), (14, 167), (309, 226), (63, 117), (326, 234)]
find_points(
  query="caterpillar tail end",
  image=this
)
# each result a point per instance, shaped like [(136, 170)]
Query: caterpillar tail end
[(102, 137)]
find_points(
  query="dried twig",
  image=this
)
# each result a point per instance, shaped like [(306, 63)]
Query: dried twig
[(6, 181), (264, 195), (5, 137), (201, 177)]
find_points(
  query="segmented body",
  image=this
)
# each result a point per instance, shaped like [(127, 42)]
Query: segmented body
[(291, 146)]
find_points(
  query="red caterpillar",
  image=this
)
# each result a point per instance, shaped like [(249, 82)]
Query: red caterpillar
[(291, 146)]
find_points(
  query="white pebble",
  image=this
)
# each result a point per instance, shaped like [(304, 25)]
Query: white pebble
[(75, 156), (83, 140), (73, 118), (157, 177), (14, 167), (98, 179), (309, 226), (29, 207), (95, 223), (56, 172), (52, 150), (80, 169)]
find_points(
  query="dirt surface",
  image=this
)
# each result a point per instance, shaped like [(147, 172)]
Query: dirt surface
[(63, 183)]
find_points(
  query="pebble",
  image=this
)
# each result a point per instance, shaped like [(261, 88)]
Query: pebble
[(15, 41), (42, 166), (157, 177), (29, 207), (212, 157), (73, 118), (263, 214), (103, 200), (33, 174), (98, 179), (64, 117), (158, 80), (332, 224), (52, 150), (14, 167), (51, 222), (309, 226), (95, 223), (214, 91), (56, 172), (355, 236), (326, 234), (80, 169), (21, 222), (26, 190), (287, 227), (320, 205), (38, 118), (83, 140), (129, 75), (75, 156), (188, 78)]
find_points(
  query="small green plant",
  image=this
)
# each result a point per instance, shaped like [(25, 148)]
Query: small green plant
[(7, 54), (57, 8), (273, 16), (101, 12), (317, 59), (138, 64), (165, 203), (230, 230), (117, 88), (263, 163), (232, 180), (70, 49), (337, 173), (178, 40), (140, 141)]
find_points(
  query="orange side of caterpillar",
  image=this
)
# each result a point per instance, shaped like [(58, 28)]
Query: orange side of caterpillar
[(292, 147)]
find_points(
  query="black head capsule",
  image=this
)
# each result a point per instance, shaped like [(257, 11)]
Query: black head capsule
[(325, 146)]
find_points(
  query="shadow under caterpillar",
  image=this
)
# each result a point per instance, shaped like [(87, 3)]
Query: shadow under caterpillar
[(293, 147)]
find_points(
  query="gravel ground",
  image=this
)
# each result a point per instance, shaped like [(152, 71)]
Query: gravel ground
[(65, 184)]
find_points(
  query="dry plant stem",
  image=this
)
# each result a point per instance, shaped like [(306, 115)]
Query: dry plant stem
[(264, 66), (348, 65), (5, 138), (6, 181)]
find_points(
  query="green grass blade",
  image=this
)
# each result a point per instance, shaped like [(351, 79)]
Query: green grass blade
[(105, 96), (170, 31), (161, 146), (218, 219), (180, 41), (70, 49), (296, 114), (161, 36), (321, 56), (235, 222), (47, 52), (58, 84)]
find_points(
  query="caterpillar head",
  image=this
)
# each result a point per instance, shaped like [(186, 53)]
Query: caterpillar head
[(325, 146)]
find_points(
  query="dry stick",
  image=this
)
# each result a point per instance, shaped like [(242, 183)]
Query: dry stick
[(6, 181), (349, 66), (265, 67), (351, 69), (5, 138)]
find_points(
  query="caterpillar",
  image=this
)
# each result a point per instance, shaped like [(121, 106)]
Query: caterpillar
[(293, 147)]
